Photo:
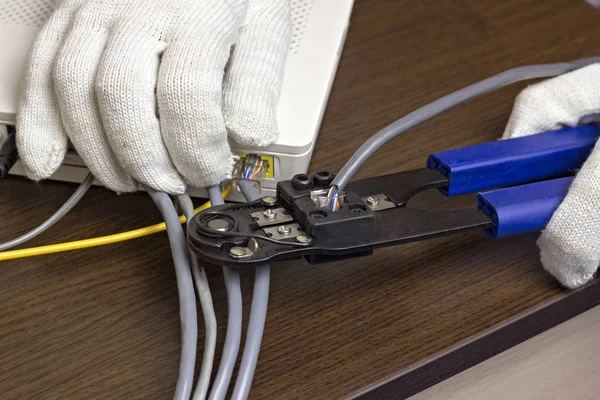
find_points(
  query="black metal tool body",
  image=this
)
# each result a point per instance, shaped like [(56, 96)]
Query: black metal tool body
[(533, 173), (374, 214)]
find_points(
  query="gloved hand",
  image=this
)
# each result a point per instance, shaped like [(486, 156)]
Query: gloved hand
[(150, 91), (570, 244)]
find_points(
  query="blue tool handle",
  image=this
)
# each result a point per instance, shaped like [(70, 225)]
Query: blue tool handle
[(523, 209), (515, 161)]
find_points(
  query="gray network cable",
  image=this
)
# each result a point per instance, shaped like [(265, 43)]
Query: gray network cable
[(233, 336), (258, 316), (447, 102), (377, 141), (62, 211), (187, 298), (208, 310)]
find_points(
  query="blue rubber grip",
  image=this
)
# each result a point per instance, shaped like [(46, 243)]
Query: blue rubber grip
[(515, 161), (523, 209)]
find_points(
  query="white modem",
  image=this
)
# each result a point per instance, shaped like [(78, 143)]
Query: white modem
[(319, 34)]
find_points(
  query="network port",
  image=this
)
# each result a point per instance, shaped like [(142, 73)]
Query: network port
[(254, 168)]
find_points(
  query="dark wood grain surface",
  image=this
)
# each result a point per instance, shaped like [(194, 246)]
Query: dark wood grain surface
[(103, 323)]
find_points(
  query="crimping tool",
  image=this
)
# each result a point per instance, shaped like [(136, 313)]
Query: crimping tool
[(527, 179)]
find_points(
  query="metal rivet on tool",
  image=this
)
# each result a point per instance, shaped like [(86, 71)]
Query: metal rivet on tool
[(270, 200), (270, 214), (372, 200), (304, 239), (238, 252), (218, 224), (284, 230), (252, 246)]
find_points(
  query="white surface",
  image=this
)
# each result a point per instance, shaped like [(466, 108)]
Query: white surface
[(107, 87), (14, 46), (319, 32), (561, 363), (320, 28), (310, 71), (595, 3)]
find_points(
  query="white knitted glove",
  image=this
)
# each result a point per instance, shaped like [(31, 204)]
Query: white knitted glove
[(149, 91), (570, 244)]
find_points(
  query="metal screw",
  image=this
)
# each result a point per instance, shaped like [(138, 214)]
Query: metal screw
[(270, 200), (372, 200), (304, 239), (219, 224), (239, 252), (270, 214), (284, 230)]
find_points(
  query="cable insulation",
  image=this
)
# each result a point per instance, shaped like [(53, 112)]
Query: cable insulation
[(62, 211), (98, 241), (208, 311), (447, 102), (233, 336), (187, 298), (258, 317)]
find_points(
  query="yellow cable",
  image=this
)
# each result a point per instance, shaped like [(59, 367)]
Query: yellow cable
[(99, 241)]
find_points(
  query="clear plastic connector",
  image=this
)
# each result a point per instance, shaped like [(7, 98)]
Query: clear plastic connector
[(322, 199), (252, 168)]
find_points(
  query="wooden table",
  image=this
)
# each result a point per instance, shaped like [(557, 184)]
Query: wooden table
[(103, 323)]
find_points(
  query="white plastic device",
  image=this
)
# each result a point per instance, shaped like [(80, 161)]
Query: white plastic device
[(319, 34)]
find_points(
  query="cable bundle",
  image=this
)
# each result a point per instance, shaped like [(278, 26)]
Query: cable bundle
[(186, 264)]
